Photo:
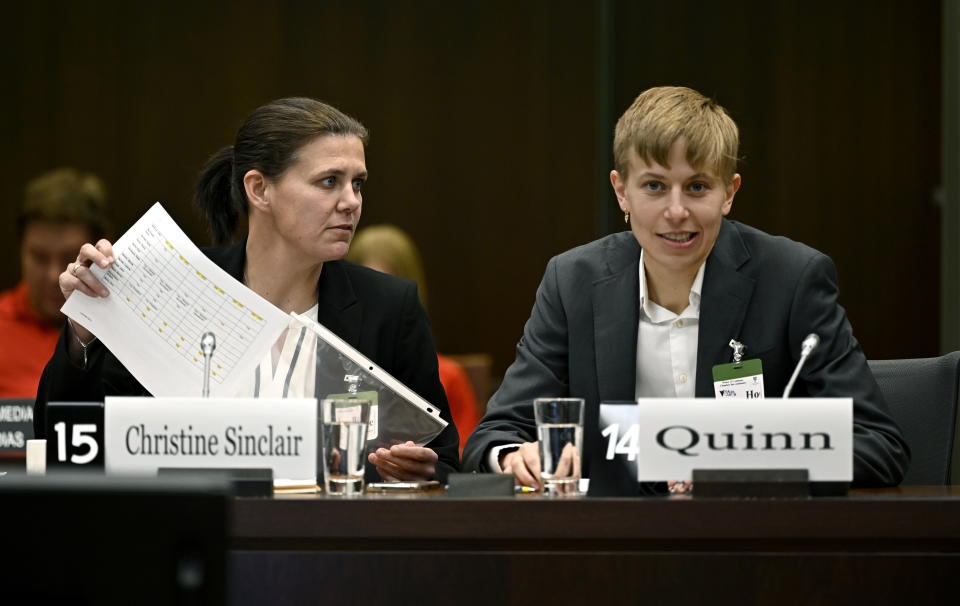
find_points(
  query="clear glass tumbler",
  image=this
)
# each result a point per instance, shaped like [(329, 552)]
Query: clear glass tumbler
[(343, 444), (560, 434)]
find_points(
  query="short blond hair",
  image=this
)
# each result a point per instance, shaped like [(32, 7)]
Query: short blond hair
[(661, 116)]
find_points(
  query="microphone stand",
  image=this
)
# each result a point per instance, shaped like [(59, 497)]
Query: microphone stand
[(806, 348), (208, 343)]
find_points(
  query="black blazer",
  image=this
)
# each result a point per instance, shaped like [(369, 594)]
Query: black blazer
[(765, 291), (378, 314)]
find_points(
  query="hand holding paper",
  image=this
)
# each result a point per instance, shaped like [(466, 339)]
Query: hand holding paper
[(164, 295)]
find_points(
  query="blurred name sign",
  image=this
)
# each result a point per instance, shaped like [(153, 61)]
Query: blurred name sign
[(16, 426)]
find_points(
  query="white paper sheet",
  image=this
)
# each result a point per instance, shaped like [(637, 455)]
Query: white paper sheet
[(164, 294)]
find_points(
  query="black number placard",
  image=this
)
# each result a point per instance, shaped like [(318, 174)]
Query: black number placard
[(75, 435)]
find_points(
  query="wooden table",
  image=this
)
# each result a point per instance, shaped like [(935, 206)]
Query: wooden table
[(880, 546)]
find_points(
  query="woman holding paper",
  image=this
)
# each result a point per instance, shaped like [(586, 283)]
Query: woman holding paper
[(296, 172)]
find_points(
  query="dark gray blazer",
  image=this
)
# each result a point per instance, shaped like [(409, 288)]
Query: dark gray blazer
[(767, 292), (379, 315)]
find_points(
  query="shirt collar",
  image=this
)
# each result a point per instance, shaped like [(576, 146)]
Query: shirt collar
[(656, 313)]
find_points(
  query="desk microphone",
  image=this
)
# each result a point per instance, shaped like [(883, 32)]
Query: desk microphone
[(208, 343), (808, 345)]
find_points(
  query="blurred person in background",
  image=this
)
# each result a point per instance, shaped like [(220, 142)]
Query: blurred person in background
[(61, 210), (390, 250)]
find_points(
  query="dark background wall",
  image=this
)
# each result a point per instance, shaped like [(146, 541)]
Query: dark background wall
[(491, 124)]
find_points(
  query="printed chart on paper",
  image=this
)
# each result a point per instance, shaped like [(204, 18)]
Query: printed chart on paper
[(164, 295)]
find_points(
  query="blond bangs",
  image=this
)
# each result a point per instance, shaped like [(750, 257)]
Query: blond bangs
[(661, 116)]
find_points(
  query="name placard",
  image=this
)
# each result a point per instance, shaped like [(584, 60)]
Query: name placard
[(144, 434), (16, 425), (670, 437)]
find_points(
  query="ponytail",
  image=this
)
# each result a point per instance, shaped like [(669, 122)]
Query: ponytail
[(215, 197)]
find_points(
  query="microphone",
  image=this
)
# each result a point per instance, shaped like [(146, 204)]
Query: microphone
[(208, 343), (806, 348)]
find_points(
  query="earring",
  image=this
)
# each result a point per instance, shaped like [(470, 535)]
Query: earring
[(626, 218)]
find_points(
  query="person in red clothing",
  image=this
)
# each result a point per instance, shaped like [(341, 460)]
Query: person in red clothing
[(460, 395), (388, 249), (62, 209)]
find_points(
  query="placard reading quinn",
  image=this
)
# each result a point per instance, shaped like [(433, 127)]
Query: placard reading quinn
[(144, 434), (670, 437)]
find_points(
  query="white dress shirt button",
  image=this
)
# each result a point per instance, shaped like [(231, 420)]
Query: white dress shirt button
[(666, 343)]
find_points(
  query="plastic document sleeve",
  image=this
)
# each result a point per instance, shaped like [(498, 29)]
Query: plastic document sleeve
[(401, 414)]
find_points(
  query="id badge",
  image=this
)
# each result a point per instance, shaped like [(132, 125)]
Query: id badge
[(373, 429), (739, 380)]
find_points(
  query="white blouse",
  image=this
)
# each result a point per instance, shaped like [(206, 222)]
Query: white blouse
[(289, 368)]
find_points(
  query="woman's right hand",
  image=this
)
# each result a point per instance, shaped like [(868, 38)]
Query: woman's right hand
[(78, 276)]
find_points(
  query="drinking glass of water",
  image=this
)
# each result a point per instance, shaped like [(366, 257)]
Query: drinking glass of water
[(560, 434), (343, 444)]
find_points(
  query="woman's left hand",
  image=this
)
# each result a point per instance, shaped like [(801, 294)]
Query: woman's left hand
[(405, 462)]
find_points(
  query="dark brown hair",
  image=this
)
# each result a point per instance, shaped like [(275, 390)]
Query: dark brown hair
[(267, 141)]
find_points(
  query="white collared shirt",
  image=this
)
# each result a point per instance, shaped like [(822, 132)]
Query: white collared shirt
[(667, 344), (666, 351)]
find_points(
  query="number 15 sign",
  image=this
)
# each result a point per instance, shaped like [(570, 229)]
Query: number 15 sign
[(75, 434)]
